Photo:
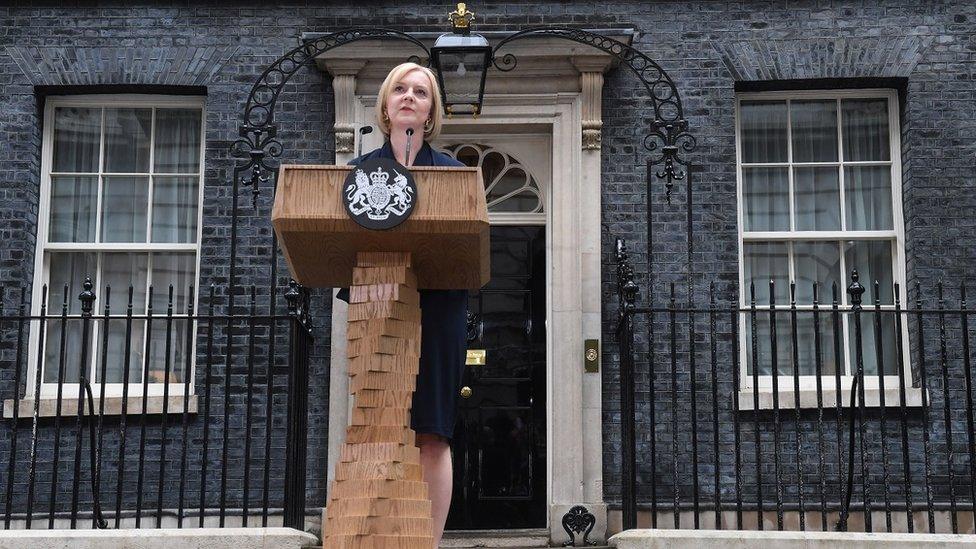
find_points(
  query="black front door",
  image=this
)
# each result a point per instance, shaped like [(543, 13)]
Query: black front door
[(499, 446)]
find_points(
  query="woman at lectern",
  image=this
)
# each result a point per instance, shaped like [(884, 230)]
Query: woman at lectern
[(410, 99)]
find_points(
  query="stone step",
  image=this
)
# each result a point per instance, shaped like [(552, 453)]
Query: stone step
[(509, 539)]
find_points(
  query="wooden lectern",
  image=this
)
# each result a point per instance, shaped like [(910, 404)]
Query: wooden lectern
[(379, 499)]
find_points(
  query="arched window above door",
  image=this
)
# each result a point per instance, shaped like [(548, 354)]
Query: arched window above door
[(509, 185)]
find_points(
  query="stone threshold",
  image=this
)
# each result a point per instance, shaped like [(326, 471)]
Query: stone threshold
[(513, 539)]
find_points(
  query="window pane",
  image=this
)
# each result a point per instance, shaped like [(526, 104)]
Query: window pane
[(458, 83), (865, 129), (115, 362), (806, 330), (73, 204), (71, 331), (175, 209), (764, 346), (71, 269), (76, 136), (177, 140), (767, 197), (816, 193), (176, 269), (816, 262), (513, 191), (806, 344), (814, 128), (124, 208), (127, 134), (872, 260), (763, 126), (867, 190), (167, 350), (767, 261), (869, 347), (119, 271)]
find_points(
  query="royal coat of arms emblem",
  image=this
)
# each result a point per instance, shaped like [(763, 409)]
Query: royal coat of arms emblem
[(379, 194)]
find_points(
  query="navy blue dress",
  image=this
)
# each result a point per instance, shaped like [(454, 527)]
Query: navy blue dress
[(443, 340)]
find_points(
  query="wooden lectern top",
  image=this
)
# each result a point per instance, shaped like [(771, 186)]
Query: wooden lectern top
[(447, 234)]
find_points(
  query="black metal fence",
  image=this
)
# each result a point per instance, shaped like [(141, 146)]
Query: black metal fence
[(127, 418), (843, 413)]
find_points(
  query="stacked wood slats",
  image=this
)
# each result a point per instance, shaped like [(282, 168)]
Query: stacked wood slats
[(379, 499)]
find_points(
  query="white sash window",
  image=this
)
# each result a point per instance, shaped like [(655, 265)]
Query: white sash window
[(819, 190), (122, 183)]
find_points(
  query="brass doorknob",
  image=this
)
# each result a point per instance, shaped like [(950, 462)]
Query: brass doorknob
[(466, 392)]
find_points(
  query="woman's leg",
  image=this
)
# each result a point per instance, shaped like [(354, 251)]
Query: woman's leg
[(435, 460)]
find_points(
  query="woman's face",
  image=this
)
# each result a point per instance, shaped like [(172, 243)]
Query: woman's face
[(408, 105)]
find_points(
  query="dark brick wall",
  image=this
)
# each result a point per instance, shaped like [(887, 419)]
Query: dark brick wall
[(708, 48), (711, 50)]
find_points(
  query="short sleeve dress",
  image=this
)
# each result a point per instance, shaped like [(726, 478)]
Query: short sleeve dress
[(443, 340)]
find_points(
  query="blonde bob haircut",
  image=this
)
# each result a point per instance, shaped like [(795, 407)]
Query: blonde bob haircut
[(436, 108)]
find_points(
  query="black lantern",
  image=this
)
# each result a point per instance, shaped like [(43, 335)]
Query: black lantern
[(461, 60)]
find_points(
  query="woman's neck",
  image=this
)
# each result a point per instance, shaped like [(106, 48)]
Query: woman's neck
[(398, 142)]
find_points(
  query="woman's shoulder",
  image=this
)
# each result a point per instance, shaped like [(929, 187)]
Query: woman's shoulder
[(368, 156), (441, 159)]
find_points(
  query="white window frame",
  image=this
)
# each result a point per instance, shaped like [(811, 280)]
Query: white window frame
[(41, 260), (808, 383)]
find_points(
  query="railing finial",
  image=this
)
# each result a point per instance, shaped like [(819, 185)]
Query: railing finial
[(625, 278), (87, 296), (855, 290), (291, 296)]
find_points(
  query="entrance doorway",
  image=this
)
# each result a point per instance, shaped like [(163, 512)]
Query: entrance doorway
[(499, 445), (500, 437)]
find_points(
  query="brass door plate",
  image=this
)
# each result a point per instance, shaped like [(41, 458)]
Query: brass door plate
[(591, 355), (476, 357)]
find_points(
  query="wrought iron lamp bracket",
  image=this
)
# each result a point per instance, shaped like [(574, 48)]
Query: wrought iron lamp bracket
[(668, 137), (257, 147)]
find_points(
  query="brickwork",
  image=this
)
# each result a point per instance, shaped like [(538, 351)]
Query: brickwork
[(707, 47)]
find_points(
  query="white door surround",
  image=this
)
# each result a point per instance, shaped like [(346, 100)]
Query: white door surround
[(555, 91)]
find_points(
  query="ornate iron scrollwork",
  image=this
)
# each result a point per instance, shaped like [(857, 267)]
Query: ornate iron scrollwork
[(577, 521), (257, 146), (668, 135), (671, 138)]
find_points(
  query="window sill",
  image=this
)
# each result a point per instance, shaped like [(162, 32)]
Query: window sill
[(808, 398), (113, 406)]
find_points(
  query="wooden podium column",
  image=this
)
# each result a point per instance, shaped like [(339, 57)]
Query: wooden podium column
[(379, 499)]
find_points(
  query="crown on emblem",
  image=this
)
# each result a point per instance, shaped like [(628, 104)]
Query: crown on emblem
[(379, 177)]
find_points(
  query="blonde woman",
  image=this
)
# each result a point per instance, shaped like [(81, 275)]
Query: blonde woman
[(410, 99)]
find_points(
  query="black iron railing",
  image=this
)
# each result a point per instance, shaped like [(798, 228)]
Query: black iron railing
[(202, 422), (841, 413)]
